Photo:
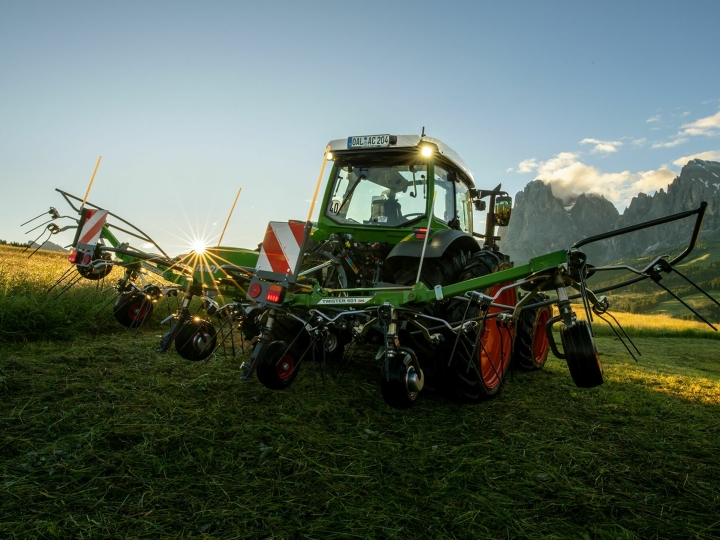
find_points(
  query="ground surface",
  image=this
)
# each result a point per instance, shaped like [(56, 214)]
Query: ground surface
[(104, 438)]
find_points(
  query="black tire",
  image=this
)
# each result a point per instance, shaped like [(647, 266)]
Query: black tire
[(480, 377), (581, 354), (196, 340), (335, 345), (531, 343), (277, 366), (133, 309), (393, 382), (95, 274), (442, 271)]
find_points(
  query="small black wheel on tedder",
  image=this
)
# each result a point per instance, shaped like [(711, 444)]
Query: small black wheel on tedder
[(403, 379), (133, 309), (277, 366), (196, 340), (581, 355)]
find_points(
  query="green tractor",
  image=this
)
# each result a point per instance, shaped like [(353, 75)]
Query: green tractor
[(397, 215)]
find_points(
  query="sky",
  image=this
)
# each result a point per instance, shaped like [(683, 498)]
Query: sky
[(187, 102)]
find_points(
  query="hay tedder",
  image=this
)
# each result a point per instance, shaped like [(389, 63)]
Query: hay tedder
[(392, 265), (205, 273)]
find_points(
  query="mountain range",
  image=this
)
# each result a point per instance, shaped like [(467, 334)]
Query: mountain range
[(542, 223)]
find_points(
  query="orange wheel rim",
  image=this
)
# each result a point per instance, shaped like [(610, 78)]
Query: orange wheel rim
[(540, 345), (496, 342)]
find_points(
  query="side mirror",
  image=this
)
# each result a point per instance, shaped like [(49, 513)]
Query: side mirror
[(502, 210)]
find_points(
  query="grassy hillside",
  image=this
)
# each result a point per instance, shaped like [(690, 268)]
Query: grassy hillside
[(702, 267)]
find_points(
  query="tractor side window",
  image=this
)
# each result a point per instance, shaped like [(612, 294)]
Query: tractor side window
[(461, 203), (445, 196)]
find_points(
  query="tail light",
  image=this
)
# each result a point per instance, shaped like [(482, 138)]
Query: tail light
[(73, 256), (420, 233), (275, 294)]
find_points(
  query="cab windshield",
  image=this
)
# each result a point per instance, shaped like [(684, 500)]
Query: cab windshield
[(382, 195)]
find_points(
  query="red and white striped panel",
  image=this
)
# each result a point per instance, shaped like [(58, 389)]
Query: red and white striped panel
[(281, 247), (94, 222)]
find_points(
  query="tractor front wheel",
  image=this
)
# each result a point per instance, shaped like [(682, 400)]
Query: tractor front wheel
[(531, 342)]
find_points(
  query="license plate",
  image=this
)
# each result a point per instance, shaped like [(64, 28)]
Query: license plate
[(369, 141)]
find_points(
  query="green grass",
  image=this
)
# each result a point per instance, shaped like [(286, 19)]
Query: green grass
[(104, 438), (100, 437)]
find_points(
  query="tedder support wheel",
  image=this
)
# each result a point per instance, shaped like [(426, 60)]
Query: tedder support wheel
[(277, 366), (581, 355), (133, 309), (477, 370), (95, 274), (531, 341), (196, 340), (403, 380)]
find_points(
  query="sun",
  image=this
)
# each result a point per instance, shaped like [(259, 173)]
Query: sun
[(198, 246)]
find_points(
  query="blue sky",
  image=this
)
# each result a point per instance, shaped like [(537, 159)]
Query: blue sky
[(189, 101)]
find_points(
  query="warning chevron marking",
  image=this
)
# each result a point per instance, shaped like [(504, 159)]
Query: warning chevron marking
[(94, 222), (281, 247)]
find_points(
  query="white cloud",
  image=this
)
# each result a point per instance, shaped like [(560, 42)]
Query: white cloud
[(670, 144), (712, 155), (655, 118), (638, 142), (704, 126), (527, 166), (602, 146), (569, 177)]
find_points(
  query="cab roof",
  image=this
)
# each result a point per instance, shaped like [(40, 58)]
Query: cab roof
[(411, 141)]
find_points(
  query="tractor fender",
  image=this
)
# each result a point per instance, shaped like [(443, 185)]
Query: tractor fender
[(437, 245)]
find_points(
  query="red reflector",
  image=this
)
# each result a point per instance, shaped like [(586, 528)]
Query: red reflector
[(275, 294), (73, 256), (255, 290), (420, 233), (86, 259)]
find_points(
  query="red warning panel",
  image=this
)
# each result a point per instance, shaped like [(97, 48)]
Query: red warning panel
[(281, 247), (91, 229)]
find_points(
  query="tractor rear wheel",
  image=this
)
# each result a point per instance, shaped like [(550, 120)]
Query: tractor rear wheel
[(196, 340), (581, 354), (476, 371), (441, 271), (531, 341), (133, 309), (277, 366)]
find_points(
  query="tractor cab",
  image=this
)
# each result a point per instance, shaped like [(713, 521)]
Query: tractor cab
[(381, 187)]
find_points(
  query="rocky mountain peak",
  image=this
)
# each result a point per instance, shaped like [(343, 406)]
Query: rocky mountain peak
[(542, 222)]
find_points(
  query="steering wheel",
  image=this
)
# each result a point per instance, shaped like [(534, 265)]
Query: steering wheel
[(414, 214)]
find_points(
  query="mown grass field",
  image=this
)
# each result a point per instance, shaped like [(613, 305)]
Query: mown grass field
[(100, 437)]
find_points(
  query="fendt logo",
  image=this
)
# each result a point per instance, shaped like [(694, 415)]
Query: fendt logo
[(208, 268)]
